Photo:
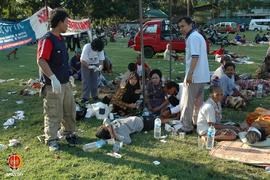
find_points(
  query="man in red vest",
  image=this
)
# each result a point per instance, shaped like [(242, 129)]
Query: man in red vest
[(59, 105)]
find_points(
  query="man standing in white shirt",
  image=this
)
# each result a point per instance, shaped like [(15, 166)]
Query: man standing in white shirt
[(197, 74), (91, 64)]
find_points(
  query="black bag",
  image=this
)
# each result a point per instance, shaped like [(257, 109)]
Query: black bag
[(80, 111)]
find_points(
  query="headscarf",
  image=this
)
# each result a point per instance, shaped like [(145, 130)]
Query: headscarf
[(130, 89)]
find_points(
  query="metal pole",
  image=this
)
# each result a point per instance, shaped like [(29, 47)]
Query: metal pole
[(47, 14), (142, 51), (170, 8), (188, 8)]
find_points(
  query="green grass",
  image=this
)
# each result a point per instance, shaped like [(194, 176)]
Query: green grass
[(180, 159)]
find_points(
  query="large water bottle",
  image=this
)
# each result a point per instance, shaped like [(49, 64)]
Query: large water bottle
[(94, 145), (259, 92), (157, 128), (210, 137)]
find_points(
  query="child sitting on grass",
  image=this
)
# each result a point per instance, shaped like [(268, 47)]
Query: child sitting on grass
[(210, 114), (232, 96), (173, 100), (220, 71)]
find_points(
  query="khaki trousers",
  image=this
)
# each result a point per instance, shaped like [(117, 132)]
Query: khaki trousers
[(191, 101), (59, 112)]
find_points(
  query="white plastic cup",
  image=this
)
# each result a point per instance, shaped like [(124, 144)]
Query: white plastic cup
[(182, 135)]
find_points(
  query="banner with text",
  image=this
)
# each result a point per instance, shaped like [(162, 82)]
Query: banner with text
[(16, 34)]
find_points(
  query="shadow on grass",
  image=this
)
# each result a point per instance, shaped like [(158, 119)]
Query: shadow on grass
[(171, 168)]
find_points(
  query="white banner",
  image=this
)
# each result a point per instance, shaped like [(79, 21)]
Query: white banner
[(39, 23)]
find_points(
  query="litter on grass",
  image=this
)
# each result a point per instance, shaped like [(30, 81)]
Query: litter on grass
[(163, 141), (11, 92), (14, 143), (19, 115), (3, 147), (115, 155), (156, 163), (19, 102)]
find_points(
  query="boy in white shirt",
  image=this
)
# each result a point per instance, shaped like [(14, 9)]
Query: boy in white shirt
[(91, 64), (210, 114)]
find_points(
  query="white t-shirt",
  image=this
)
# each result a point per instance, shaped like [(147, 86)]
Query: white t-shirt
[(196, 46), (139, 70), (177, 108), (90, 56), (209, 112), (219, 72)]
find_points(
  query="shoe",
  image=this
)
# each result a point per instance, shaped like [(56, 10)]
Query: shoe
[(187, 132), (72, 139), (60, 136), (53, 145)]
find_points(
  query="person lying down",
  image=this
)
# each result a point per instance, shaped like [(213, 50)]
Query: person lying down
[(259, 125), (121, 129)]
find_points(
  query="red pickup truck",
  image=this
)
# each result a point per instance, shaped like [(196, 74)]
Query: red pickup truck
[(156, 35)]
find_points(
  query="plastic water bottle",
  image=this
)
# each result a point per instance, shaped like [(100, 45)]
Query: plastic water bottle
[(210, 137), (259, 91), (157, 128), (3, 147), (117, 146), (94, 145)]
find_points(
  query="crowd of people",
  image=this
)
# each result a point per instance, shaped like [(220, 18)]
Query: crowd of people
[(167, 100)]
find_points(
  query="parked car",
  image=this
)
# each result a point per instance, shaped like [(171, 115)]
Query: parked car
[(156, 35), (227, 27), (259, 24)]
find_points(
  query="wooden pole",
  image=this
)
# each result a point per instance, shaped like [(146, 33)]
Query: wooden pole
[(142, 51)]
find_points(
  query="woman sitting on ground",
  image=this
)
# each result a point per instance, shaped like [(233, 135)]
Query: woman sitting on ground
[(263, 77), (263, 72), (155, 96), (124, 100), (210, 114)]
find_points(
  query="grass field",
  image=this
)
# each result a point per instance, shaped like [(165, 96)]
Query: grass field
[(180, 159)]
